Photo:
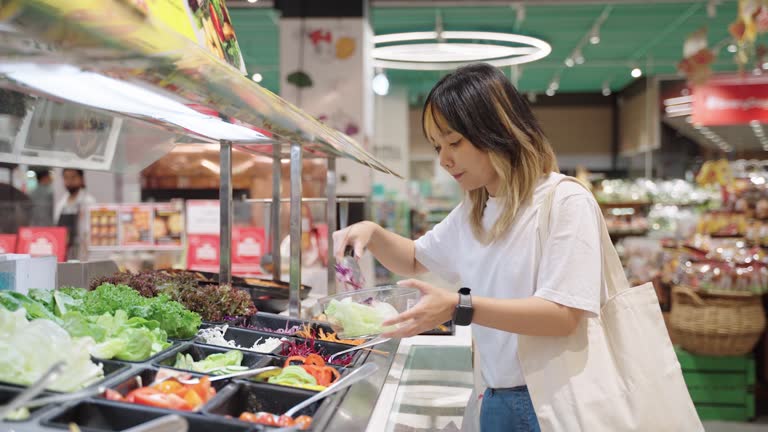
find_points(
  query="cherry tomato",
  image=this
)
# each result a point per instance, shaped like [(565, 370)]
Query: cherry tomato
[(248, 416), (285, 420), (266, 418)]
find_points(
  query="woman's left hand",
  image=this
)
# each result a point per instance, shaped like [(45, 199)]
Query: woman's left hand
[(435, 307)]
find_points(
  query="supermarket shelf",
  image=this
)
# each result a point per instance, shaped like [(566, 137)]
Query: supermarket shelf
[(114, 39)]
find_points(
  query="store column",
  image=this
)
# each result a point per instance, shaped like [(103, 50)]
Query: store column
[(326, 70)]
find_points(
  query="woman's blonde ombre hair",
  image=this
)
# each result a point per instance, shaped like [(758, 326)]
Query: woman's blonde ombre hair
[(480, 103)]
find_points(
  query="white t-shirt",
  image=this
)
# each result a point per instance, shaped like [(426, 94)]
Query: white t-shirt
[(570, 270)]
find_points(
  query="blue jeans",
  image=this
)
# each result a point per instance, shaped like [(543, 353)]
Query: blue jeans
[(508, 410)]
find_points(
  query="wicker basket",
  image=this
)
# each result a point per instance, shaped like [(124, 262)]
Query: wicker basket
[(722, 324)]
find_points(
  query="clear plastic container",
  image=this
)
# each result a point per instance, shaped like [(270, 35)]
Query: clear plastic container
[(359, 314)]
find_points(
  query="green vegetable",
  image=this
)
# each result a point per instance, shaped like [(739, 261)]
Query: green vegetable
[(42, 296), (357, 319), (213, 362), (173, 318), (18, 414), (119, 337), (293, 376), (30, 348), (34, 310), (65, 301)]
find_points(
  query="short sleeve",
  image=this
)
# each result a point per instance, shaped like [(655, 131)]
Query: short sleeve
[(570, 271), (436, 250)]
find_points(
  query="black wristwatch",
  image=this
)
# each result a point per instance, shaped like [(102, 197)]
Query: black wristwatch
[(464, 311)]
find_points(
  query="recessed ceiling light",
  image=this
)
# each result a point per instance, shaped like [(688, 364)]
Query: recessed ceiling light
[(636, 73), (550, 92), (732, 48), (569, 62), (257, 77)]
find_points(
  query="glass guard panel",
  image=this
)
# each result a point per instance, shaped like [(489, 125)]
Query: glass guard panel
[(39, 131), (433, 390)]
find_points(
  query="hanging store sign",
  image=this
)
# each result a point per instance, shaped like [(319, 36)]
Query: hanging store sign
[(730, 103)]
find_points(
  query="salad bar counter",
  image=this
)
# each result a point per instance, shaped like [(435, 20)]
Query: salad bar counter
[(225, 378)]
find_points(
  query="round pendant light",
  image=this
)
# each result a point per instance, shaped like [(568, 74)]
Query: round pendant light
[(450, 49)]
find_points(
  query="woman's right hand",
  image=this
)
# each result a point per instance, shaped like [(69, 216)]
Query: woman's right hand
[(358, 236)]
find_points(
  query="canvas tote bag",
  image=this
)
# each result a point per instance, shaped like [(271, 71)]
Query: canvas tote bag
[(616, 372)]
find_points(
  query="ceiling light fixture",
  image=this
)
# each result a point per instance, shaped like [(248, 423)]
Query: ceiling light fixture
[(594, 37), (637, 72), (257, 77), (578, 57), (446, 50), (550, 92), (732, 48), (606, 89), (569, 62)]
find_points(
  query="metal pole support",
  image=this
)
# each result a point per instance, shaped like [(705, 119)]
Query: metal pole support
[(275, 212), (331, 212), (225, 213), (294, 298)]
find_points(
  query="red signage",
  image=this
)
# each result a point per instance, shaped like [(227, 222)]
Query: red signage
[(7, 243), (203, 253), (43, 241), (248, 244), (730, 103)]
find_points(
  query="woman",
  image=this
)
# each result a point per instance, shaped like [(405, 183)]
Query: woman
[(487, 138)]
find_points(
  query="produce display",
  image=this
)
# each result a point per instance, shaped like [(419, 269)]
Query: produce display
[(23, 362), (307, 332), (215, 336), (134, 323), (213, 302), (168, 393), (269, 419), (115, 335), (356, 319), (310, 373), (214, 364), (296, 348)]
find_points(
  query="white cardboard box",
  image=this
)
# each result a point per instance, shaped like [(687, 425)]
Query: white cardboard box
[(19, 272)]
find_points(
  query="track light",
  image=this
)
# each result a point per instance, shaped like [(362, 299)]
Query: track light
[(594, 37)]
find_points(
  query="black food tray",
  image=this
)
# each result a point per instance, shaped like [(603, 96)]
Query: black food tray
[(96, 416), (198, 352), (7, 393), (272, 323), (255, 397), (326, 349), (173, 346), (111, 369), (244, 338)]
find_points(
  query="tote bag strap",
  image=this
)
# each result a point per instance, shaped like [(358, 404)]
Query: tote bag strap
[(613, 271)]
